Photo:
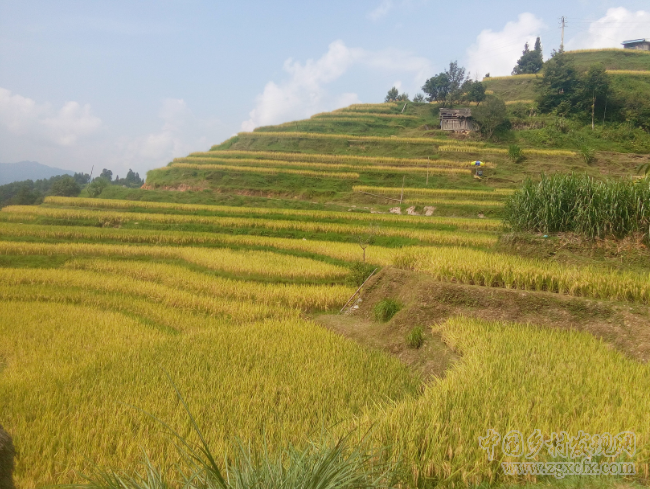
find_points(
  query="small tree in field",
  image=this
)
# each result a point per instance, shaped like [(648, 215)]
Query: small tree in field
[(366, 239)]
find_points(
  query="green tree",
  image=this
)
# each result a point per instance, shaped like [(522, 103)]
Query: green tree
[(392, 95), (418, 99), (437, 87), (456, 76), (593, 91), (97, 186), (473, 91), (491, 116), (107, 174), (531, 61), (559, 86), (65, 186)]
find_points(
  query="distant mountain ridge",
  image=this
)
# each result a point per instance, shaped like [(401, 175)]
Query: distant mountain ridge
[(28, 170)]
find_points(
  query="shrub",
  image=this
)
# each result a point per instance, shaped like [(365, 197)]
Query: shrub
[(359, 272), (515, 153), (415, 338), (385, 309), (66, 186), (587, 154)]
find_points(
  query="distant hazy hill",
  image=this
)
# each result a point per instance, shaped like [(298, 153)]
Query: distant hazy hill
[(28, 170)]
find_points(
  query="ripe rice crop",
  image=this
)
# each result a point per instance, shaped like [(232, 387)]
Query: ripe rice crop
[(270, 171), (427, 236), (343, 251), (359, 114), (580, 204), (510, 77), (460, 223), (328, 158), (72, 373), (460, 148), (456, 202), (629, 72), (262, 263), (210, 163), (513, 102), (347, 137), (296, 296), (438, 192), (387, 107), (516, 377), (131, 287), (512, 272), (466, 148)]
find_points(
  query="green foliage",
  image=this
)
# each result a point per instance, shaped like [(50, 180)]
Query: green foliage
[(97, 186), (29, 192), (385, 309), (392, 95), (446, 86), (531, 61), (577, 203), (132, 180), (515, 154), (587, 154), (359, 272), (473, 91), (107, 174), (418, 99), (66, 186), (491, 116), (437, 87), (559, 86), (415, 338)]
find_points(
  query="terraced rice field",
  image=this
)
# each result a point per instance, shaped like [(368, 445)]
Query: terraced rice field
[(116, 297)]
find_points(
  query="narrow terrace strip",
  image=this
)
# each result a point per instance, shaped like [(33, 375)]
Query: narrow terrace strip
[(329, 158), (215, 163), (268, 171), (459, 222)]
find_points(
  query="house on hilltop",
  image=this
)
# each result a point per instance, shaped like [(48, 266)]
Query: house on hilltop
[(456, 120), (640, 44)]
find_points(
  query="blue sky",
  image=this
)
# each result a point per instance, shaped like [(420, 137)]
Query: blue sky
[(133, 84)]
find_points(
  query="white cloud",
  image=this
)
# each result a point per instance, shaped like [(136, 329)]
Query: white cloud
[(381, 10), (497, 52), (22, 116), (181, 133), (305, 93), (618, 25)]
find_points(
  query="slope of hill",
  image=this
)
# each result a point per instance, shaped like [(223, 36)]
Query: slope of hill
[(235, 274), (629, 69), (28, 170)]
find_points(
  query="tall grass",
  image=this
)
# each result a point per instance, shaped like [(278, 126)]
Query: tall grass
[(578, 203)]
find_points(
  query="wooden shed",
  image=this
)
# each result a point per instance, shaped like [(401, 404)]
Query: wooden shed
[(456, 120)]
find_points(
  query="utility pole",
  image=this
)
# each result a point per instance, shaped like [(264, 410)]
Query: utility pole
[(563, 24)]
